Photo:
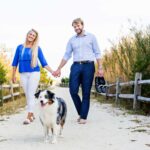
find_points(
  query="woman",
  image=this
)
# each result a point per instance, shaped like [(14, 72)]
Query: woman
[(27, 56)]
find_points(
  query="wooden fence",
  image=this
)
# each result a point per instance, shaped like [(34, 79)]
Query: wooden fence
[(136, 96), (11, 94)]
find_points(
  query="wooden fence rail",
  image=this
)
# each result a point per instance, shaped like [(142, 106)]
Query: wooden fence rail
[(136, 96), (11, 93)]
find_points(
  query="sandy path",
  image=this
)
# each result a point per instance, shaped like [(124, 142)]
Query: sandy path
[(108, 128)]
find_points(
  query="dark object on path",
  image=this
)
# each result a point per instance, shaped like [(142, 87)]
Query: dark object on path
[(100, 84)]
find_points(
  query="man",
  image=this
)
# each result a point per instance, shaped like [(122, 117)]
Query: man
[(85, 49)]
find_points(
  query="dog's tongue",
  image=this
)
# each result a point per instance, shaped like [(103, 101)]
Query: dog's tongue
[(42, 104)]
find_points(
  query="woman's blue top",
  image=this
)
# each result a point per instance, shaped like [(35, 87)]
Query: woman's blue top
[(23, 57)]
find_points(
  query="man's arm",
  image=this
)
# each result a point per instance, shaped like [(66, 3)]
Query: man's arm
[(97, 55), (100, 68), (64, 60)]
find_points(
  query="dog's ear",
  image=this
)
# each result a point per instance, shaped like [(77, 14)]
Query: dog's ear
[(37, 94), (50, 94)]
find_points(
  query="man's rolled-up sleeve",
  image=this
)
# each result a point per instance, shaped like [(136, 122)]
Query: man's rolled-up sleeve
[(68, 52), (96, 48)]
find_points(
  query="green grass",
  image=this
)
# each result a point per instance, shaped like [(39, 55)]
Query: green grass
[(11, 107), (124, 104)]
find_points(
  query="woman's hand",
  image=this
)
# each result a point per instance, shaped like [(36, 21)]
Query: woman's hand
[(48, 68), (14, 79)]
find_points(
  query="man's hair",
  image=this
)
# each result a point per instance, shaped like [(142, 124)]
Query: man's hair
[(77, 20)]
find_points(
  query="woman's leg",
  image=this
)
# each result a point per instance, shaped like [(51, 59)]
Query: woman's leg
[(24, 77), (33, 82), (24, 82)]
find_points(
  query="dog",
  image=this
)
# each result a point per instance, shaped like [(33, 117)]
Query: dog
[(53, 111)]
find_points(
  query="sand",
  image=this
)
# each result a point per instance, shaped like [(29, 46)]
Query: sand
[(108, 128)]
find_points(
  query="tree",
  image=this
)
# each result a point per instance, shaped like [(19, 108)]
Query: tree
[(44, 78)]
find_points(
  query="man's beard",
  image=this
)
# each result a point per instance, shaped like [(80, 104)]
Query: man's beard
[(79, 32)]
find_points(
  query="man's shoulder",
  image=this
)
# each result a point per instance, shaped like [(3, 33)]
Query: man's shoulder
[(73, 36), (89, 34)]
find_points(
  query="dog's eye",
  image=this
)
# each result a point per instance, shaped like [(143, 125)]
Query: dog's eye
[(46, 96)]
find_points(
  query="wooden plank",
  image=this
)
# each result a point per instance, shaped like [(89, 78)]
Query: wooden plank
[(9, 96), (145, 99), (6, 97), (1, 95), (6, 86), (127, 83), (117, 91), (9, 86), (16, 85), (110, 85), (127, 96), (105, 94), (16, 94), (12, 90), (144, 82), (137, 89)]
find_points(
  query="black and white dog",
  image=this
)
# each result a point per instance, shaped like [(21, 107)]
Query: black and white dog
[(53, 111)]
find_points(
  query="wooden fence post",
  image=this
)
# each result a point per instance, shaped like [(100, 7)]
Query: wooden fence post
[(1, 95), (137, 89), (20, 90), (117, 101), (107, 90), (12, 91)]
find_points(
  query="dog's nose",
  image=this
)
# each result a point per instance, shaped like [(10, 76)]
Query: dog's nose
[(41, 101)]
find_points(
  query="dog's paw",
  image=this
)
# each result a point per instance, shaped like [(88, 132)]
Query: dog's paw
[(61, 136), (54, 141), (46, 141)]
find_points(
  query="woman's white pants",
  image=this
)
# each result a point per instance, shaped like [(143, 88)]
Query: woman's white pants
[(30, 81)]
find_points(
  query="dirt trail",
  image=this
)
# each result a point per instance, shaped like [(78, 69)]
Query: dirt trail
[(108, 128)]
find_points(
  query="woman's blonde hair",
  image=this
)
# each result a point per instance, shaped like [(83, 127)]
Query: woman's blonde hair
[(34, 48)]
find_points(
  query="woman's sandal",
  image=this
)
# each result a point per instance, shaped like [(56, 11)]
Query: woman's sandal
[(27, 121), (32, 117)]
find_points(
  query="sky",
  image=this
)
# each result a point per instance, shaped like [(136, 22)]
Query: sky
[(106, 19)]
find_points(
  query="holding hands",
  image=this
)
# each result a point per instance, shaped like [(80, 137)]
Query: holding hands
[(56, 73)]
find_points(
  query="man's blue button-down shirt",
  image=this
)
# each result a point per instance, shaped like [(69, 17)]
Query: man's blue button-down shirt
[(83, 48)]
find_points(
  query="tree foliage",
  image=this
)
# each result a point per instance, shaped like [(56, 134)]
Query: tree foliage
[(2, 74), (44, 78), (130, 55)]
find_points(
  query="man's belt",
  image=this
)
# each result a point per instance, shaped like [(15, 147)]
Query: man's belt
[(83, 62)]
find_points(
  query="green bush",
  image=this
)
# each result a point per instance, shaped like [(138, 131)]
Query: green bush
[(2, 74), (65, 80), (44, 78)]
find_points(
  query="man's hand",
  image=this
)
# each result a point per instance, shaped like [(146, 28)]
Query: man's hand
[(100, 72)]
